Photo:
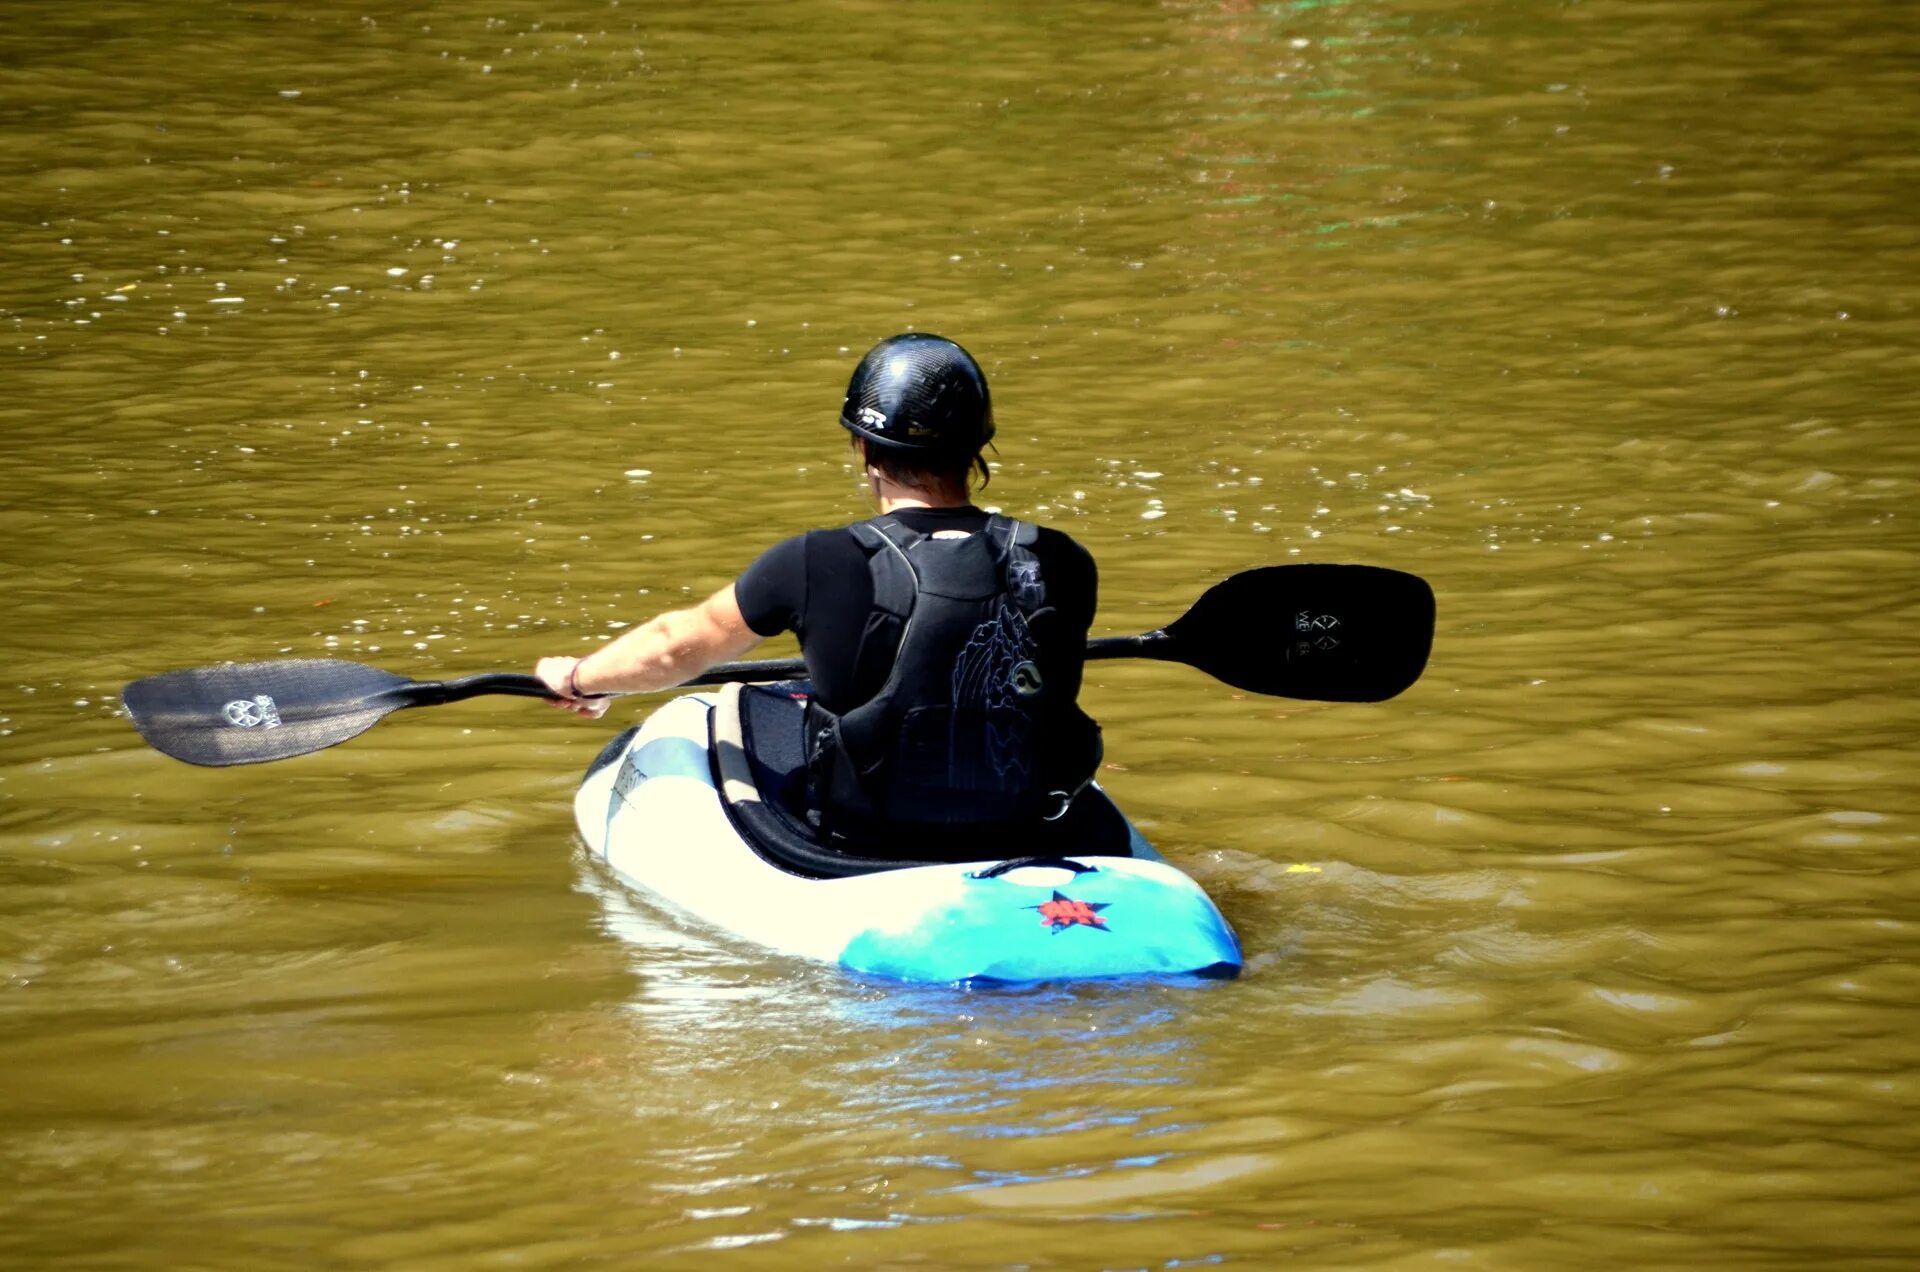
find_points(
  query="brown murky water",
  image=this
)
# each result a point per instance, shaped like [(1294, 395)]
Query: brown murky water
[(442, 337)]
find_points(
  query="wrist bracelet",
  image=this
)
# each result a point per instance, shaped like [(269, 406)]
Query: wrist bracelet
[(573, 679)]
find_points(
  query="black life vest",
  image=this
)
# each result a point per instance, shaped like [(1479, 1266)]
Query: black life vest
[(970, 727)]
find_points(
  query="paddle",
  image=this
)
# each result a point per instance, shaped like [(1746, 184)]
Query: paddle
[(1328, 633)]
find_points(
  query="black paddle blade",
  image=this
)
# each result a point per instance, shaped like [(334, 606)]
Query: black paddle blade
[(1329, 633), (247, 713)]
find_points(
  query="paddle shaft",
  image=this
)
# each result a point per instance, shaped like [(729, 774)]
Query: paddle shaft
[(434, 693), (1155, 644), (1323, 633)]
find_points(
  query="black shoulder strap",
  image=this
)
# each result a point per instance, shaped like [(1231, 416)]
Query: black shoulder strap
[(1014, 542), (893, 581), (1008, 534)]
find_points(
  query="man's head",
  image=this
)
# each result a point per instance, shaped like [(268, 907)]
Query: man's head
[(919, 407)]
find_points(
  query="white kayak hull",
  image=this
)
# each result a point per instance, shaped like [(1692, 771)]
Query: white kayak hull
[(652, 809)]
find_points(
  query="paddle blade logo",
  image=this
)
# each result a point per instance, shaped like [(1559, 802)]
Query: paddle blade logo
[(1317, 631), (1064, 912), (257, 712)]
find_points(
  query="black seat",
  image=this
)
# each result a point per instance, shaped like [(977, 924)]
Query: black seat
[(757, 744)]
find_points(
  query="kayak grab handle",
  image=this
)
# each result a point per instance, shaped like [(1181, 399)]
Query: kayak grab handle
[(1021, 863)]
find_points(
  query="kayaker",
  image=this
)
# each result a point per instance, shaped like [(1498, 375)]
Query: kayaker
[(944, 644)]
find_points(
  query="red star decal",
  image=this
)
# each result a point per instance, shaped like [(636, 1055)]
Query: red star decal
[(1064, 912)]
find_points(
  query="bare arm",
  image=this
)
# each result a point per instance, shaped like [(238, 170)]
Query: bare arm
[(667, 650)]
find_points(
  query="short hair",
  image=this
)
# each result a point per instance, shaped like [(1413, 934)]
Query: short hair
[(923, 470)]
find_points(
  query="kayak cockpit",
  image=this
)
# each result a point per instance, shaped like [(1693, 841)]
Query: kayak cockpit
[(757, 741)]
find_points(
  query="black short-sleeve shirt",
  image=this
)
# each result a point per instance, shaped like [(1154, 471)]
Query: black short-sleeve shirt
[(818, 585)]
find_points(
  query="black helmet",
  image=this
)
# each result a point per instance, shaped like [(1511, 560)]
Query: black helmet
[(920, 394)]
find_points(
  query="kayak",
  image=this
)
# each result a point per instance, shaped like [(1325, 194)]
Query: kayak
[(697, 807)]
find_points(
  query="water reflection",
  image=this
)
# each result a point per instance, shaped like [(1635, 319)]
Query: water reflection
[(975, 1073)]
